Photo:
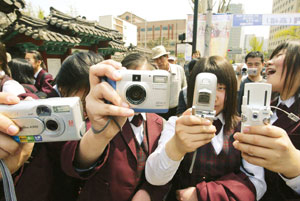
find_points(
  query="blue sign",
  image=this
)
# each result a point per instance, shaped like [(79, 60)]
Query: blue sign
[(247, 20)]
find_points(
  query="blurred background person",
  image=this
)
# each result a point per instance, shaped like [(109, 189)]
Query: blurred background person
[(255, 63), (43, 79), (7, 84), (178, 79)]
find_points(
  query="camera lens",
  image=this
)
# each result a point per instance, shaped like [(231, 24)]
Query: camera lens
[(255, 115), (43, 110), (51, 125), (136, 94)]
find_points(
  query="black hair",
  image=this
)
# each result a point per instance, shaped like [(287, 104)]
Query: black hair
[(37, 57), (3, 60), (135, 60), (21, 71), (291, 65), (74, 73), (225, 75), (255, 54)]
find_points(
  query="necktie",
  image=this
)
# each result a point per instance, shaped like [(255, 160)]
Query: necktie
[(137, 120), (218, 124)]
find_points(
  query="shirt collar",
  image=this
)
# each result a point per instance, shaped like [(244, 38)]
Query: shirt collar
[(36, 74), (56, 89), (289, 102), (220, 117), (143, 115)]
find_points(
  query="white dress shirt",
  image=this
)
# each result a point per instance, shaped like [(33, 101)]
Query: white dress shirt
[(138, 131), (160, 169)]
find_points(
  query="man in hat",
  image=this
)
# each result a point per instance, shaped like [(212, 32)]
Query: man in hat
[(178, 80)]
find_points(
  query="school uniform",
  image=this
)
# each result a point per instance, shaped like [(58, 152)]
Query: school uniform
[(119, 173), (217, 173), (280, 188), (43, 81)]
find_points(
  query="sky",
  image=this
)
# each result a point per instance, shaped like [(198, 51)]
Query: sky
[(151, 10)]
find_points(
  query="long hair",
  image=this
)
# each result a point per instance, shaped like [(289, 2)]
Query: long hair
[(225, 74), (21, 71), (3, 60), (291, 65)]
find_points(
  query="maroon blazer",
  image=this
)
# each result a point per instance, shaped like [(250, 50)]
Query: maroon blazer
[(216, 177), (115, 178), (42, 178), (276, 187), (43, 82)]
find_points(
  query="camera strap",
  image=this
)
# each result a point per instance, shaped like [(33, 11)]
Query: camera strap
[(8, 184)]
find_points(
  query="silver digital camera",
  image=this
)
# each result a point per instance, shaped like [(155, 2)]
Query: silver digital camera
[(47, 120), (205, 95), (144, 90), (252, 71), (256, 108)]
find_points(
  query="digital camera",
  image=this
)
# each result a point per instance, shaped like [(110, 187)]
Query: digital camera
[(205, 95), (144, 90), (244, 70), (47, 120), (252, 71), (256, 108)]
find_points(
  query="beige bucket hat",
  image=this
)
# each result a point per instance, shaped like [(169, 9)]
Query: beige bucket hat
[(159, 51)]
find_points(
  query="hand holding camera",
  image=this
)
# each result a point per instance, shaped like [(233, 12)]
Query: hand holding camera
[(15, 154), (101, 92), (47, 120), (144, 90), (256, 108)]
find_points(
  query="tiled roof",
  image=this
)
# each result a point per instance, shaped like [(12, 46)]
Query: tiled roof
[(38, 30), (117, 46), (8, 6), (81, 26)]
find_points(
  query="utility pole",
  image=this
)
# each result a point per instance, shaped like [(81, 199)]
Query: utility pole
[(195, 26), (145, 33), (208, 28)]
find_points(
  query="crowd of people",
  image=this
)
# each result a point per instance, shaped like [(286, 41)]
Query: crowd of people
[(145, 156)]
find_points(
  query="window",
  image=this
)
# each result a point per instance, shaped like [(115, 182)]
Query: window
[(165, 28), (149, 29), (157, 28), (142, 29)]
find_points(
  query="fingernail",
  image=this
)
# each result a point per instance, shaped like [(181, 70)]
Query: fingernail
[(246, 129), (124, 104), (207, 121), (12, 99), (129, 112), (12, 129), (117, 75)]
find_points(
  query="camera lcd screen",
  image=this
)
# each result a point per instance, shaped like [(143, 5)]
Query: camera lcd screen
[(204, 98), (160, 79)]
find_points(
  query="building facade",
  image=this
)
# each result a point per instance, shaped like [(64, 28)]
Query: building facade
[(234, 44), (281, 6), (153, 33), (127, 29)]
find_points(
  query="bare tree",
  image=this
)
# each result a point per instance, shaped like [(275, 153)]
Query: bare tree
[(223, 5)]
